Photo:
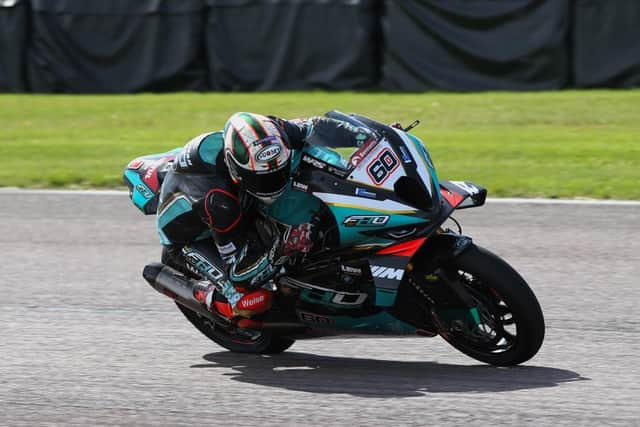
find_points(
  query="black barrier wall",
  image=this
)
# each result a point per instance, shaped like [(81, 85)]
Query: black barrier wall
[(100, 46), (14, 30), (116, 46), (291, 44), (479, 45), (606, 43)]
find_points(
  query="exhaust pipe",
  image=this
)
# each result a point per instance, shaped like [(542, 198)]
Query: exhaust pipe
[(176, 286)]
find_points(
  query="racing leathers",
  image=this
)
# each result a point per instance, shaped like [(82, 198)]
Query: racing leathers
[(200, 209)]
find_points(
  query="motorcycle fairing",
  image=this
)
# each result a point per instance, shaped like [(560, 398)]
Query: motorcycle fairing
[(387, 272), (388, 267), (382, 322), (380, 168), (295, 206), (355, 223)]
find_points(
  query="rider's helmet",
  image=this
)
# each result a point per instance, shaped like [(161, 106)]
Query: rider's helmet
[(257, 155)]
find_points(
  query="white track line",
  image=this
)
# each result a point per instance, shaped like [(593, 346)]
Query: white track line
[(513, 201), (26, 191), (490, 200)]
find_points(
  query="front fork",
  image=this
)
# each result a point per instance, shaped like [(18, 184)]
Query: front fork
[(430, 275)]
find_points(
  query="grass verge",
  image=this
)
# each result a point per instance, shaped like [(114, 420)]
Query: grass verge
[(549, 144)]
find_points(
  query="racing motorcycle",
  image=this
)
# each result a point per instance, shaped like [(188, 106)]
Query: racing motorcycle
[(386, 263)]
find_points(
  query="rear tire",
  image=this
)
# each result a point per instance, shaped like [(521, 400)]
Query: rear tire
[(265, 343), (510, 307)]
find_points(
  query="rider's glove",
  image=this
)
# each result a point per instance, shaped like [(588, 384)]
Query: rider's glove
[(297, 240)]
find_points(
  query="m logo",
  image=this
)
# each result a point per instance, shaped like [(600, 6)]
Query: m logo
[(387, 272)]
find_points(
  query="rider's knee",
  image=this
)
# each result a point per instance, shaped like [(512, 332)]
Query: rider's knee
[(223, 210)]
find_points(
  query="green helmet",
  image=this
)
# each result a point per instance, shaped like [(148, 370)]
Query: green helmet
[(257, 155)]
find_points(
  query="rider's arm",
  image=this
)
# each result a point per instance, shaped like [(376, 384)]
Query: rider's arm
[(332, 133), (254, 265), (299, 130), (249, 261)]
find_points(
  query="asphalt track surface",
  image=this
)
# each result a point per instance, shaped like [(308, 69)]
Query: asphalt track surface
[(85, 341)]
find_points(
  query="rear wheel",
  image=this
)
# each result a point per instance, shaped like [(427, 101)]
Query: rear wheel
[(508, 326), (227, 336), (238, 340)]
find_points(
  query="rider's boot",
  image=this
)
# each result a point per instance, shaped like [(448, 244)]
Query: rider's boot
[(232, 302)]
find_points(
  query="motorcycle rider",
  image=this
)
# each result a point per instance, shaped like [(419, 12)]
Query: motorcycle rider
[(211, 197)]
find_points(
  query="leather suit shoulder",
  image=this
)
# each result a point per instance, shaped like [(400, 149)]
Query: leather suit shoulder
[(199, 155)]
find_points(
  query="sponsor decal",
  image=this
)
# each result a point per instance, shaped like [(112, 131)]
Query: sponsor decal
[(184, 159), (151, 170), (227, 249), (227, 252), (387, 272), (144, 191), (365, 220), (151, 176), (313, 162), (315, 318), (362, 152), (266, 140), (300, 186), (268, 153), (427, 156), (252, 301), (257, 301), (351, 270), (349, 299), (201, 265), (406, 158), (382, 166), (135, 164), (339, 172), (362, 192)]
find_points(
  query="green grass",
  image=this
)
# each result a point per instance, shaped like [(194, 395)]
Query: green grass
[(549, 144)]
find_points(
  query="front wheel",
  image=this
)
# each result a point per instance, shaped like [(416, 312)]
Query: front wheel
[(509, 325)]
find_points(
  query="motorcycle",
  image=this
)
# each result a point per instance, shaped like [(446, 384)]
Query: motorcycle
[(386, 264)]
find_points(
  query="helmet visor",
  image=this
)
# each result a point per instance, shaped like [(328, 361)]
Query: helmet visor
[(265, 184)]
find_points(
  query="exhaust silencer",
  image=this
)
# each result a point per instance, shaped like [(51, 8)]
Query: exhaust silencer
[(175, 285)]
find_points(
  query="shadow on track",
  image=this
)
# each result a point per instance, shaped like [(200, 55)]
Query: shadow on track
[(380, 378)]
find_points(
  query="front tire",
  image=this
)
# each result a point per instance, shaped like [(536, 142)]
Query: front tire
[(512, 327)]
